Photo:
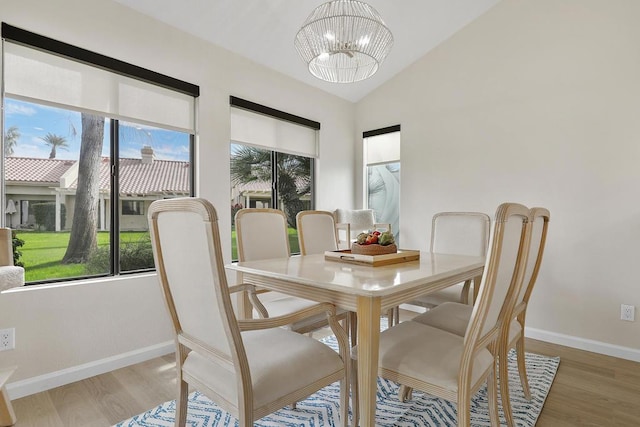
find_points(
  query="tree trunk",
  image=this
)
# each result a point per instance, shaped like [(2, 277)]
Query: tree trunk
[(83, 239)]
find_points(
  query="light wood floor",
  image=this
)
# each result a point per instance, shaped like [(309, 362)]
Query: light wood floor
[(589, 390)]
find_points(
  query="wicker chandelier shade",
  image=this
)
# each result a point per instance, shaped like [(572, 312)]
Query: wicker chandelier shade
[(344, 41)]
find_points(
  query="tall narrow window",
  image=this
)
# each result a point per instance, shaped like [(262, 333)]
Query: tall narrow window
[(382, 169), (89, 142), (272, 158)]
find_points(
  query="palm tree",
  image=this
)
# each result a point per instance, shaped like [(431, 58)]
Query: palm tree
[(11, 137), (83, 239), (249, 164), (55, 141)]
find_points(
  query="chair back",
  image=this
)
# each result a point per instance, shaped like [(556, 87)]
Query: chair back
[(539, 218), (503, 272), (188, 258), (462, 233), (261, 234), (6, 246), (359, 220), (316, 232)]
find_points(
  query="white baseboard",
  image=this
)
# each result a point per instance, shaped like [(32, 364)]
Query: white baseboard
[(599, 347), (51, 380)]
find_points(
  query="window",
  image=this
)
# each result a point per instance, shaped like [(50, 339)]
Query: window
[(132, 207), (382, 168), (272, 160), (88, 142)]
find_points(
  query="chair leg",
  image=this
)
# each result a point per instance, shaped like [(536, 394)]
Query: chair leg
[(464, 408), (405, 393), (7, 415), (353, 328), (522, 369), (492, 389), (344, 395), (503, 365), (181, 403), (355, 403)]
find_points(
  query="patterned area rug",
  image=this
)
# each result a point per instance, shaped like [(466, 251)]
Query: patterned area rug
[(321, 409)]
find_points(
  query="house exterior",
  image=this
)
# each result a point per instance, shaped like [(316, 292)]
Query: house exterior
[(29, 181)]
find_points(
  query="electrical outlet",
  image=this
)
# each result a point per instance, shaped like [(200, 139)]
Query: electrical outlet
[(7, 339), (627, 312)]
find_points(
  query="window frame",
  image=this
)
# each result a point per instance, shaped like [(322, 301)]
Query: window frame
[(54, 47)]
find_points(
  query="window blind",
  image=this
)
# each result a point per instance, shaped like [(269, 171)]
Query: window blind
[(36, 75), (383, 148), (272, 133)]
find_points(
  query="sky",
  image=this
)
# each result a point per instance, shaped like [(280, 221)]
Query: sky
[(34, 121)]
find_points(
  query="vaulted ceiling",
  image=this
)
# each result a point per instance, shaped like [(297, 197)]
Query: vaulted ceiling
[(263, 31)]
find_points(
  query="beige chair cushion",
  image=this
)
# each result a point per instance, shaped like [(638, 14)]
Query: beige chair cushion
[(454, 317), (279, 362), (449, 294), (428, 354)]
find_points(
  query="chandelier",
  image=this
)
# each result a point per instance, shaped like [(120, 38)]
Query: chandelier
[(344, 41)]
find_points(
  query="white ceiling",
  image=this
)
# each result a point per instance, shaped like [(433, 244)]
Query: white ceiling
[(263, 31)]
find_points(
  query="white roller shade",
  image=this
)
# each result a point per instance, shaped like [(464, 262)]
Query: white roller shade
[(275, 134), (34, 75), (383, 148)]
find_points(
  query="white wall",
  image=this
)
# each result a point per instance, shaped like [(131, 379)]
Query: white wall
[(535, 102), (59, 328)]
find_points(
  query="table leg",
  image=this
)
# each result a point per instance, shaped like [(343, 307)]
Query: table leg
[(368, 342)]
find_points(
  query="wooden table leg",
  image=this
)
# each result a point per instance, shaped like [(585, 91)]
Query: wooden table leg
[(7, 416), (368, 342)]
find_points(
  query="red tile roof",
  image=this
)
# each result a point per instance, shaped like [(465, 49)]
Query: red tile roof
[(136, 178), (44, 171)]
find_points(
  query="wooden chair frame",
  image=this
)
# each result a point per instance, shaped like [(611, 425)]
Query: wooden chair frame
[(236, 359), (479, 335)]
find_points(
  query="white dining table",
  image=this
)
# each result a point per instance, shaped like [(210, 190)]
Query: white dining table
[(367, 290)]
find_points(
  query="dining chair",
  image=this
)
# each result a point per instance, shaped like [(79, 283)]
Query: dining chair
[(461, 233), (316, 232), (239, 364), (351, 222), (451, 366), (262, 233), (454, 317)]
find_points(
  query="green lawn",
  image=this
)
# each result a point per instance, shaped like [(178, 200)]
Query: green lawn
[(43, 251)]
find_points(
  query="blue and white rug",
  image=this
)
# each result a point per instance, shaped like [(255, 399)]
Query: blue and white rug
[(322, 408)]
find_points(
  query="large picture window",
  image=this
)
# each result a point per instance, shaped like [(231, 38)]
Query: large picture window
[(88, 143), (272, 159)]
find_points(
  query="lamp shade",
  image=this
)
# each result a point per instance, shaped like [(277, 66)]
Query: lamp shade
[(343, 41)]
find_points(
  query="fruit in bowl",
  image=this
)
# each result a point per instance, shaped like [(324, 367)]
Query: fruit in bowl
[(374, 243)]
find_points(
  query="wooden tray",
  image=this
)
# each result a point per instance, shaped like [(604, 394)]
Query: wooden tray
[(403, 255)]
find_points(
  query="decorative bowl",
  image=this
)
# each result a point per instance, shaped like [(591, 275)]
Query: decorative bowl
[(373, 249)]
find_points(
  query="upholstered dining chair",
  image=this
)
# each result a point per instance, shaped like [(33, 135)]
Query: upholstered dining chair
[(239, 364), (461, 233), (451, 366), (351, 222), (316, 232), (262, 234), (454, 317)]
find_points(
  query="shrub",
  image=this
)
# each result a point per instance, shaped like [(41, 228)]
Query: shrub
[(133, 256), (45, 215), (16, 243)]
